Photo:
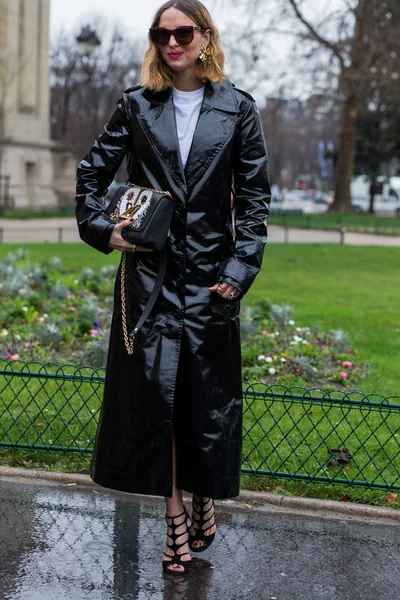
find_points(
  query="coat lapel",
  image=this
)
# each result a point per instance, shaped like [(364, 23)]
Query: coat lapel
[(217, 119), (159, 126)]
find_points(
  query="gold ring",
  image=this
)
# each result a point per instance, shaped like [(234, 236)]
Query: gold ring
[(134, 247)]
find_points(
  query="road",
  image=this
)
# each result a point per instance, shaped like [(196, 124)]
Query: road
[(61, 542)]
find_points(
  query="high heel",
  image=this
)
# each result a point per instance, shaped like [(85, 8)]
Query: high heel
[(197, 534), (176, 559)]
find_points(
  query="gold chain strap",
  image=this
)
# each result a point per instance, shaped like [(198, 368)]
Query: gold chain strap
[(129, 344), (151, 190)]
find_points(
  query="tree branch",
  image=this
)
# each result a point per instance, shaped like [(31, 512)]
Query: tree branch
[(324, 42)]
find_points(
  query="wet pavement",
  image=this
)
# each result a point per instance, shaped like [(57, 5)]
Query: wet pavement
[(75, 543)]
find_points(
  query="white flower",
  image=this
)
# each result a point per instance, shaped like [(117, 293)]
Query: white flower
[(277, 333), (304, 342), (45, 316), (261, 357), (291, 322), (4, 332), (271, 371), (297, 339), (76, 281), (268, 359), (17, 337), (298, 329), (25, 308), (283, 359)]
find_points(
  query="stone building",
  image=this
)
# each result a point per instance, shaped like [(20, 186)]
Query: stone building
[(41, 172)]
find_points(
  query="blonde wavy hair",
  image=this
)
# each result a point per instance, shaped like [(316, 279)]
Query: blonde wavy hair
[(157, 75)]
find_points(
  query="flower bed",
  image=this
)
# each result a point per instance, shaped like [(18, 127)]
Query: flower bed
[(50, 313), (276, 350)]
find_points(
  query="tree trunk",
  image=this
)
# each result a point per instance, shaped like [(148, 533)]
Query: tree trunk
[(345, 161), (372, 190)]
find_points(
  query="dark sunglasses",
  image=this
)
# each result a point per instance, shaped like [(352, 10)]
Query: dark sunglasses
[(183, 35)]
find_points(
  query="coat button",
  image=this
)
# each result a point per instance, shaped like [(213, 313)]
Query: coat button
[(177, 281), (179, 244), (177, 314)]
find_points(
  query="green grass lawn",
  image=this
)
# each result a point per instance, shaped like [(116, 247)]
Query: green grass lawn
[(355, 289), (49, 213), (331, 287)]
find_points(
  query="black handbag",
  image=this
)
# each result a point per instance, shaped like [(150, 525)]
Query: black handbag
[(151, 211)]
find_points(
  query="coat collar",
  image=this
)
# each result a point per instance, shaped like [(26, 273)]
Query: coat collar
[(216, 95), (215, 125)]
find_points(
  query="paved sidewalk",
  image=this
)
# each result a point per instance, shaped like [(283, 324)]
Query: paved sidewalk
[(314, 236), (63, 542), (18, 231), (65, 230)]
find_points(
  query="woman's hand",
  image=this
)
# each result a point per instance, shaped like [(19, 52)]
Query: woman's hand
[(224, 289), (118, 243)]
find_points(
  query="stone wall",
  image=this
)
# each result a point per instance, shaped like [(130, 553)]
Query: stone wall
[(28, 152)]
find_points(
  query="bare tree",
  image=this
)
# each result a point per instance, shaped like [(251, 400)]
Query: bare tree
[(345, 46), (84, 89), (295, 130)]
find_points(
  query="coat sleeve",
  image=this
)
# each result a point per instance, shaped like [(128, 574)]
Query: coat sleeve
[(95, 173), (252, 198)]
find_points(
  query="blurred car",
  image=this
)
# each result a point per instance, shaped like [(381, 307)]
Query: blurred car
[(298, 201), (388, 207), (386, 203)]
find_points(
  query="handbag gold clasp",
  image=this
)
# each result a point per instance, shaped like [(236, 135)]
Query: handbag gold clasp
[(130, 212)]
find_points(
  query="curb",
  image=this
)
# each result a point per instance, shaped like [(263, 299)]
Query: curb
[(334, 507), (246, 497), (56, 476)]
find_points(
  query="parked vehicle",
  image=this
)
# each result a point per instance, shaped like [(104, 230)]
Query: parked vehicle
[(386, 203), (300, 202)]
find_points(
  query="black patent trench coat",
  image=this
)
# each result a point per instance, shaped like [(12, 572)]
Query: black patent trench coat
[(185, 373)]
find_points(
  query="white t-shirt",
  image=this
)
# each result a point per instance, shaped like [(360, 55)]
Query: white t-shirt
[(187, 108)]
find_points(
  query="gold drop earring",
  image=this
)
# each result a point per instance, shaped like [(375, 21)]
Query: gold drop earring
[(205, 54)]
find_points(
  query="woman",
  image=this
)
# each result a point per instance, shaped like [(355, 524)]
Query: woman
[(171, 418)]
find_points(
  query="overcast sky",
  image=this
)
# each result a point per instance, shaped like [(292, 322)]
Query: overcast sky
[(137, 13), (134, 15)]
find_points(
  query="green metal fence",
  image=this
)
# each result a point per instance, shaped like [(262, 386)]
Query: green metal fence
[(335, 437)]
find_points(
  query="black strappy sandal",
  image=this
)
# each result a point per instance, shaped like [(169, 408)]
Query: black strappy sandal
[(177, 558), (197, 534)]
